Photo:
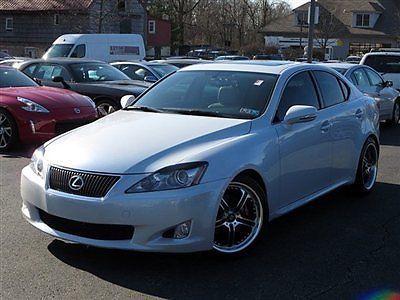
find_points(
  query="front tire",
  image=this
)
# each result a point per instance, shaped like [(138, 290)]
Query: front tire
[(396, 114), (106, 107), (241, 216), (8, 131), (367, 171)]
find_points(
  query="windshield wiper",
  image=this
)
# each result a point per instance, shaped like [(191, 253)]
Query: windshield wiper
[(144, 108), (196, 112)]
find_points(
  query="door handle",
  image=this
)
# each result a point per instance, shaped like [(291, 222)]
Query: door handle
[(326, 126), (359, 113)]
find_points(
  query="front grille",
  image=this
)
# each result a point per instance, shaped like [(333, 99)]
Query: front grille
[(88, 230), (62, 127), (94, 185)]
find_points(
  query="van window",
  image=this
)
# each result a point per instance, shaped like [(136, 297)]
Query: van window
[(59, 50), (384, 63), (79, 51)]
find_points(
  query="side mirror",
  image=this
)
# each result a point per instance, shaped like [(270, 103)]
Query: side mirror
[(300, 114), (127, 100), (61, 79), (150, 78), (388, 83)]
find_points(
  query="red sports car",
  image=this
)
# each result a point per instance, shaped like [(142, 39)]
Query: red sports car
[(30, 113)]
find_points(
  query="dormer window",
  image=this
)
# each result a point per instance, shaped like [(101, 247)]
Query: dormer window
[(301, 18), (363, 20)]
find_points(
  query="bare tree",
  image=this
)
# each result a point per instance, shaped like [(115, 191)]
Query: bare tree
[(328, 28)]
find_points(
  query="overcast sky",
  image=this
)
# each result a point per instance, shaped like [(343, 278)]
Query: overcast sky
[(296, 3)]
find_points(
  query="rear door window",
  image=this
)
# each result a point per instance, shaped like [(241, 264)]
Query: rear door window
[(360, 79), (47, 71), (330, 88), (30, 70)]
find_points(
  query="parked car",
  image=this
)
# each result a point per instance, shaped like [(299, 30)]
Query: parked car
[(268, 57), (145, 71), (370, 82), (98, 80), (204, 159), (4, 56), (232, 57), (386, 63), (104, 47), (30, 113), (353, 59), (182, 62), (13, 61)]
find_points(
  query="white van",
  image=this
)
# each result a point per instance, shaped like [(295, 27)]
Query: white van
[(105, 47)]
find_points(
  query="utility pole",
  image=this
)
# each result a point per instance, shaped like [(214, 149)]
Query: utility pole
[(311, 26)]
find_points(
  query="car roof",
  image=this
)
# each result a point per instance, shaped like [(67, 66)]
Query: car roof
[(143, 63), (346, 66), (254, 67), (383, 53)]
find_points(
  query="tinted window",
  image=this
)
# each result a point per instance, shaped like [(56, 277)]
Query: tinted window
[(14, 78), (300, 90), (242, 95), (360, 79), (88, 72), (135, 72), (376, 80), (384, 63), (79, 51), (330, 88), (345, 89), (30, 69), (46, 72)]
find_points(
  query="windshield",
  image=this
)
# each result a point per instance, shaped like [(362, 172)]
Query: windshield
[(58, 50), (384, 63), (163, 70), (228, 94), (14, 78), (92, 72)]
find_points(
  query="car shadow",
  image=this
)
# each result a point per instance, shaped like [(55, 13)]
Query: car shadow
[(390, 135), (305, 253), (20, 151)]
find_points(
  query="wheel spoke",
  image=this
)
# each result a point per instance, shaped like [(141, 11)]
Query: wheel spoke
[(2, 119), (3, 141), (219, 223), (231, 235), (246, 222), (7, 130), (242, 201), (224, 205)]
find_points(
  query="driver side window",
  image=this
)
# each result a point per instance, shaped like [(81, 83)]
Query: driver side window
[(300, 90)]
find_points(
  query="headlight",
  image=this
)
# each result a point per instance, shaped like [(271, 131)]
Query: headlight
[(37, 163), (170, 178), (90, 101), (32, 106)]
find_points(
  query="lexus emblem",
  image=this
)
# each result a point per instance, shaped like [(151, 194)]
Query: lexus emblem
[(76, 183), (77, 110)]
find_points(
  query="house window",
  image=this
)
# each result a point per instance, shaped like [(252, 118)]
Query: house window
[(31, 52), (301, 18), (9, 24), (56, 19), (152, 26), (121, 6), (362, 20)]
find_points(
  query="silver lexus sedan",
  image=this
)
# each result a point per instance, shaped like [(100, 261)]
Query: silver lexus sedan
[(204, 159)]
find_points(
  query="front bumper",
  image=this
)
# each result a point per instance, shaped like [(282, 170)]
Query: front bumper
[(151, 213)]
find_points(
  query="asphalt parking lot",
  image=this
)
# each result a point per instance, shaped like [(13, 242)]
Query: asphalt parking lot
[(338, 247)]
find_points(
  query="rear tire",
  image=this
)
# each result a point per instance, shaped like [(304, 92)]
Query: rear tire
[(8, 131), (367, 170), (241, 217), (396, 114)]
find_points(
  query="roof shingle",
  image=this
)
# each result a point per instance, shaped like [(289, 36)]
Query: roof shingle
[(39, 5)]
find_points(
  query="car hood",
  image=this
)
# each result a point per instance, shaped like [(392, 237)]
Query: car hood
[(51, 98), (140, 142)]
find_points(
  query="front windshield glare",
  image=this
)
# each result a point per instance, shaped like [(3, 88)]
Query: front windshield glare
[(90, 72), (13, 78), (229, 94), (58, 50)]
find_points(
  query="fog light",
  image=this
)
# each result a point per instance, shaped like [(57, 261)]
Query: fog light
[(182, 230)]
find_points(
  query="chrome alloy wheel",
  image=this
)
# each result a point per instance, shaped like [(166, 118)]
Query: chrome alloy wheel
[(106, 108), (5, 131), (239, 218), (370, 166)]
